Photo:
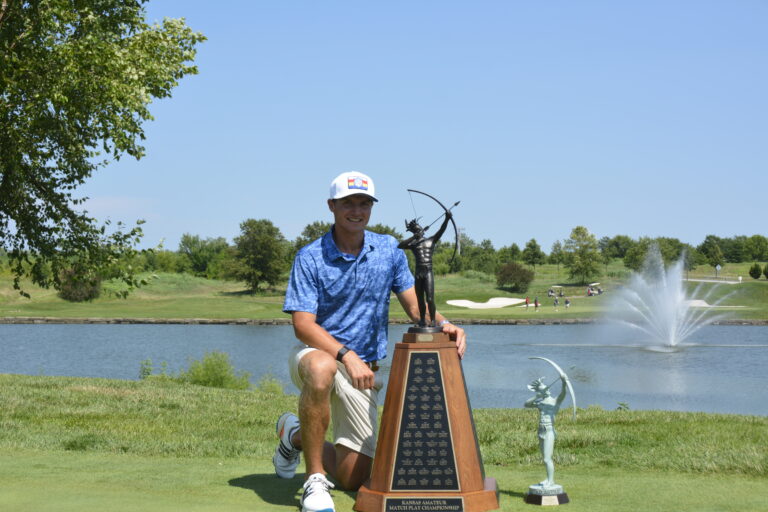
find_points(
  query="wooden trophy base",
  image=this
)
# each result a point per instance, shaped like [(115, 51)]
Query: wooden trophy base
[(427, 456), (478, 501)]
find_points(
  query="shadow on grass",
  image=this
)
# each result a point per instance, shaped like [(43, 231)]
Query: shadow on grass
[(512, 494), (278, 491), (239, 293), (270, 488), (263, 292)]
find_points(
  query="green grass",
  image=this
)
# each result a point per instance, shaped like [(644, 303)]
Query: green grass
[(168, 296), (183, 296), (85, 482), (154, 445)]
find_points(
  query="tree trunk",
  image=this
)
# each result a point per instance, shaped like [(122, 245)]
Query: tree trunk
[(4, 5)]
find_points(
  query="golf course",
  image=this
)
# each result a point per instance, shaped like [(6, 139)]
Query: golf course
[(160, 444)]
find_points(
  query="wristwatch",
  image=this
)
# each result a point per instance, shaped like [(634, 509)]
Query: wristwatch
[(340, 354)]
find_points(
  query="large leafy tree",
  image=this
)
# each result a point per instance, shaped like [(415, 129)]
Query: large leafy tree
[(533, 255), (261, 249), (201, 252), (756, 248), (76, 81), (582, 255), (509, 253), (311, 232)]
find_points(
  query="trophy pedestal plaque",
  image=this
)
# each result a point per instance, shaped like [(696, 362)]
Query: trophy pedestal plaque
[(427, 455), (539, 495)]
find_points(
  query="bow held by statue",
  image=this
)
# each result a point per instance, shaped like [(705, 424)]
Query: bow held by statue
[(450, 217)]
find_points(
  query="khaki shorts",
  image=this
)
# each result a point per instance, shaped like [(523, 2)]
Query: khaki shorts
[(354, 412)]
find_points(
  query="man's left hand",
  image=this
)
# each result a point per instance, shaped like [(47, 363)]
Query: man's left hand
[(458, 335)]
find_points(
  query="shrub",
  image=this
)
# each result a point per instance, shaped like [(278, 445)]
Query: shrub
[(215, 371), (167, 261), (755, 271), (515, 277), (765, 271), (270, 384), (76, 287)]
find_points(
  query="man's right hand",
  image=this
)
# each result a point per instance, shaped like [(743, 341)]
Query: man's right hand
[(360, 373)]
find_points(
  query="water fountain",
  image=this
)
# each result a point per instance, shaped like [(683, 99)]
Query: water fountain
[(655, 302)]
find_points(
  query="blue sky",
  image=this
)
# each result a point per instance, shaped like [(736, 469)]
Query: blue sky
[(639, 118)]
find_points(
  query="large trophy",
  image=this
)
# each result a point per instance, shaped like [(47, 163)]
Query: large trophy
[(427, 456)]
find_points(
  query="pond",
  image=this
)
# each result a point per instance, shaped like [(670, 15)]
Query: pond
[(721, 369)]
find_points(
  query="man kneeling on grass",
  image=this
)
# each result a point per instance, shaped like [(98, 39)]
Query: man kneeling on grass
[(338, 298)]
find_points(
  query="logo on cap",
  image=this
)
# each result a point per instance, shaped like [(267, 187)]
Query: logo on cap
[(358, 183)]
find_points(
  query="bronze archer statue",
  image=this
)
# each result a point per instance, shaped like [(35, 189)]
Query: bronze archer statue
[(422, 248)]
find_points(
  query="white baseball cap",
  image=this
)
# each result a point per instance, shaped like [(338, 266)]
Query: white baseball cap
[(350, 183)]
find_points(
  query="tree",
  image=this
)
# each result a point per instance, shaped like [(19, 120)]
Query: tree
[(582, 255), (311, 232), (716, 258), (483, 258), (556, 254), (735, 249), (76, 80), (756, 248), (201, 252), (707, 247), (618, 246), (690, 258), (261, 250), (670, 250), (635, 255), (462, 260), (755, 271), (606, 254), (226, 265), (508, 254), (533, 255), (383, 229)]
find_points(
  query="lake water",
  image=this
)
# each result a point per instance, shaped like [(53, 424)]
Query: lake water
[(722, 369)]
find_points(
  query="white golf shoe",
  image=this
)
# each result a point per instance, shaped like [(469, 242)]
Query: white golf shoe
[(317, 496), (286, 457)]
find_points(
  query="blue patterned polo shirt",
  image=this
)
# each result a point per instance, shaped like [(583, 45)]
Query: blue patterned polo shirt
[(350, 295)]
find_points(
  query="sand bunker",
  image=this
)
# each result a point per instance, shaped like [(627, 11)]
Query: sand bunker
[(496, 302)]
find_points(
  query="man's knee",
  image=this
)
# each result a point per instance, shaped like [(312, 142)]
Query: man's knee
[(317, 370)]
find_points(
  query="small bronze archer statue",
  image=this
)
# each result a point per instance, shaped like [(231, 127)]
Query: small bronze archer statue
[(422, 249)]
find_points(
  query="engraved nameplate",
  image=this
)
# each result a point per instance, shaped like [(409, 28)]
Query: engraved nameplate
[(424, 505)]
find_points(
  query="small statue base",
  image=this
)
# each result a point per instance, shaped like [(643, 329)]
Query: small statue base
[(546, 496), (424, 330)]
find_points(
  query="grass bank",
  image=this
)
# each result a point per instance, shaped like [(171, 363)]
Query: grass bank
[(181, 296), (155, 445)]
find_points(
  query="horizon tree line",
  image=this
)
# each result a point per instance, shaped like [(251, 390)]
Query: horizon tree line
[(261, 256)]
